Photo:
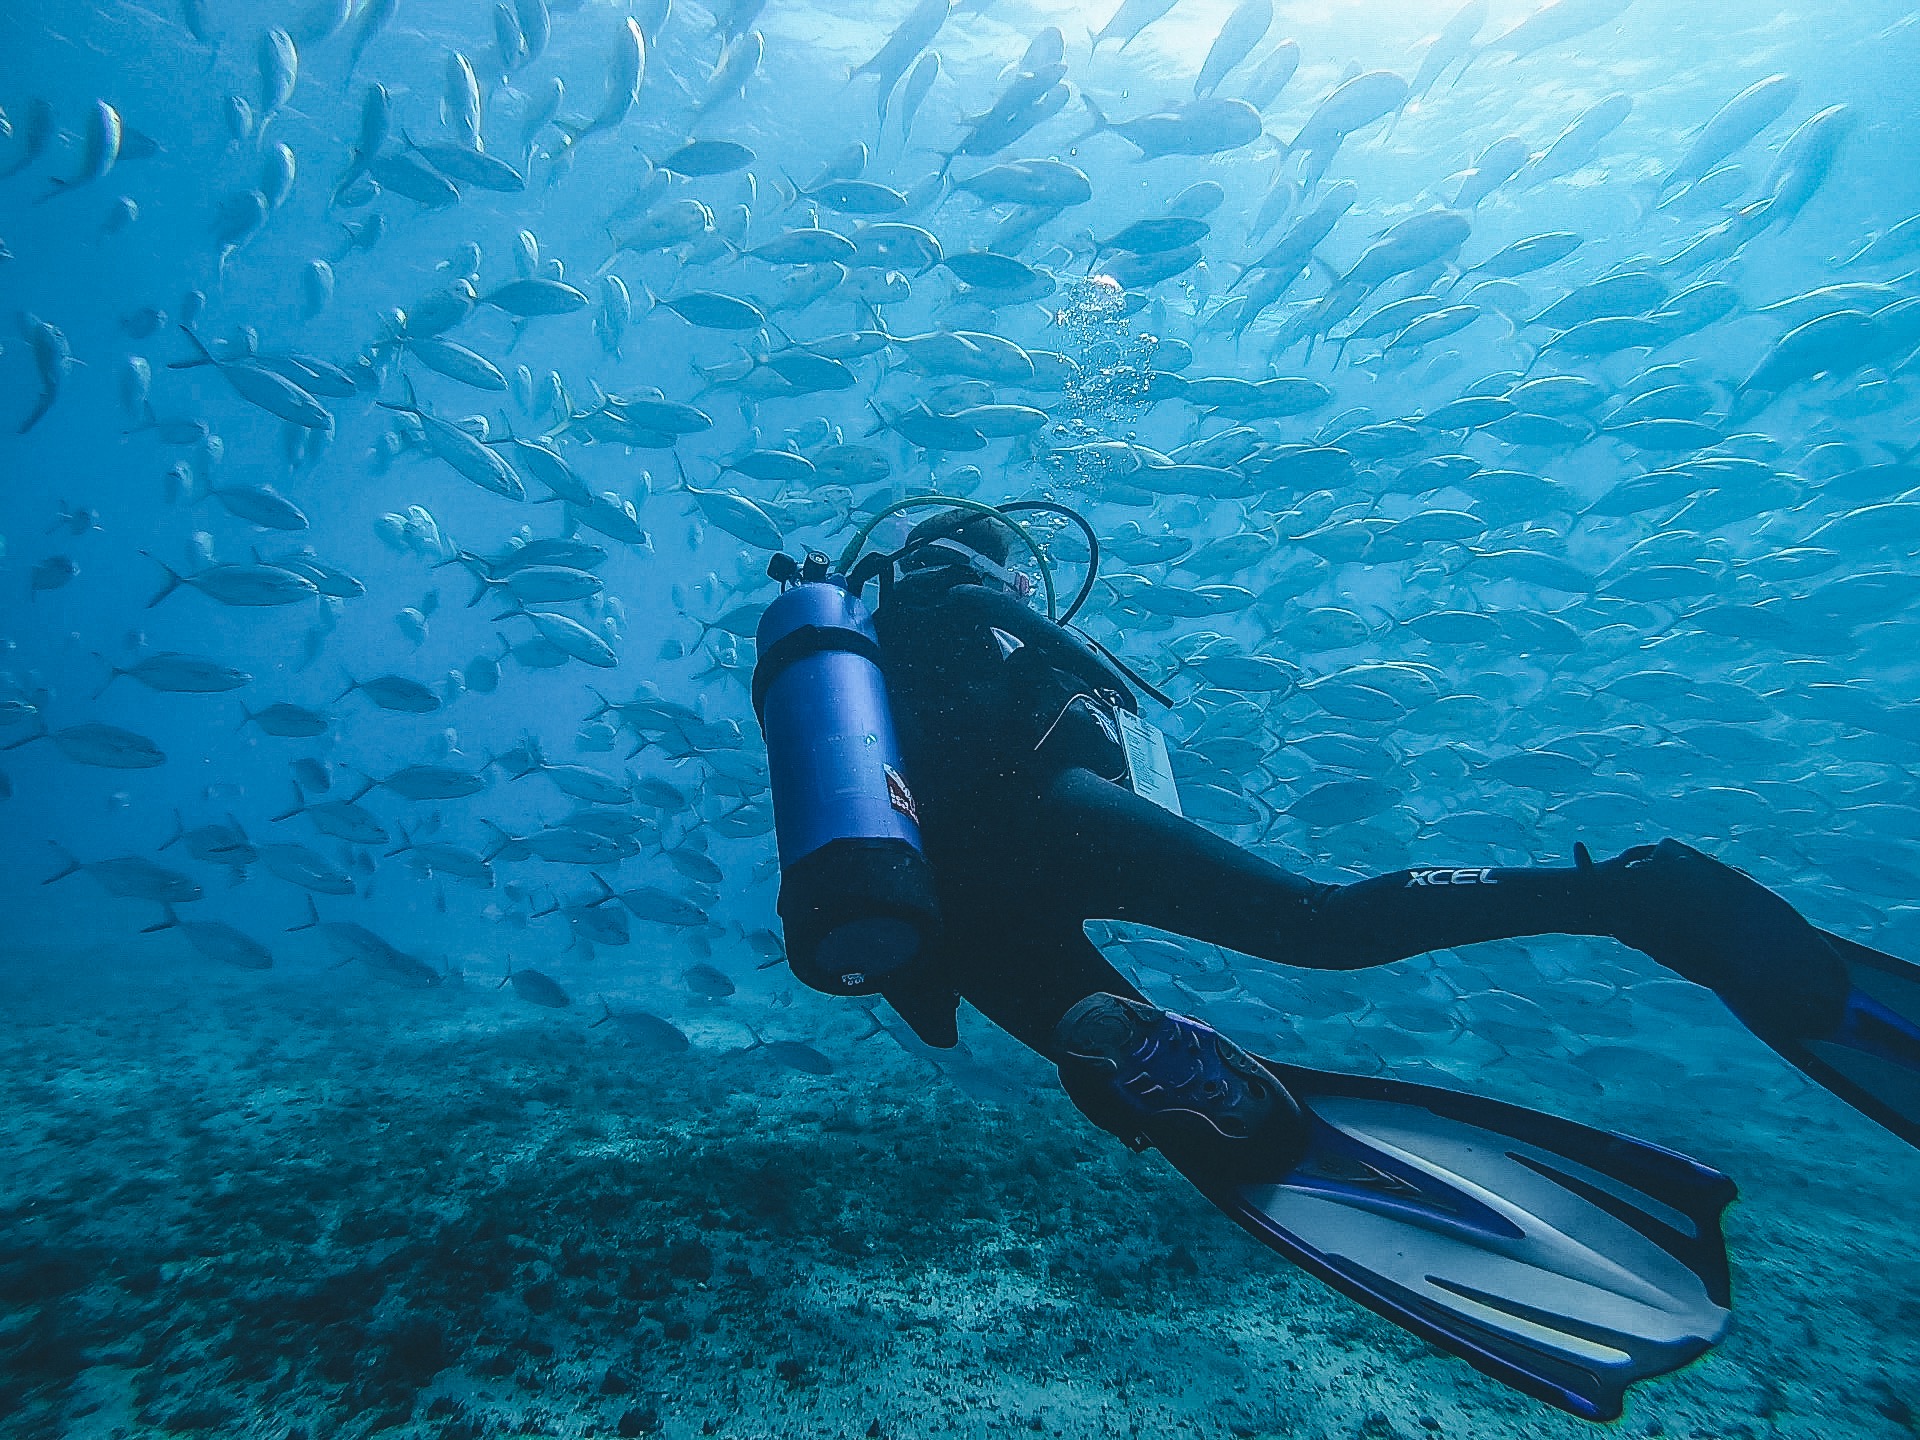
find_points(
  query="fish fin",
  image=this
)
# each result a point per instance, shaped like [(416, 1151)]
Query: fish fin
[(114, 672), (365, 789), (205, 358), (174, 580), (505, 840), (72, 866), (1100, 121)]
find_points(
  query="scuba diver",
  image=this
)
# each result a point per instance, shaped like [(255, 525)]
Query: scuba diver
[(960, 783)]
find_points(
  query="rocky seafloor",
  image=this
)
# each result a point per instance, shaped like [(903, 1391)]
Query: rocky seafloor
[(295, 1205)]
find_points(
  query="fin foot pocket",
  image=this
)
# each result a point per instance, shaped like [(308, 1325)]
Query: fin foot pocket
[(1719, 927), (1159, 1079)]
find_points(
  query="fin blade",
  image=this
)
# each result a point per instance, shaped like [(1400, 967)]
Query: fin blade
[(1564, 1261)]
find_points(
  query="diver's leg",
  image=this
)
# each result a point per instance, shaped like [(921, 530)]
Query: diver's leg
[(1145, 1074), (1116, 856), (1026, 970), (1122, 1059), (1095, 850), (1845, 1015), (1109, 854)]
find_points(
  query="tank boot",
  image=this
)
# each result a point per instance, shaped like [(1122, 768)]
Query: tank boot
[(1157, 1079)]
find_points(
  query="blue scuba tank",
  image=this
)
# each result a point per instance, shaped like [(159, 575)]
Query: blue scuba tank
[(856, 891)]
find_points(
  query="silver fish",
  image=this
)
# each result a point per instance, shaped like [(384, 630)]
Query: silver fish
[(52, 360), (626, 70), (99, 149)]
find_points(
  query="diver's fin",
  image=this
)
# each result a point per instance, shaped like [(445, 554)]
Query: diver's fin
[(1871, 1059), (1564, 1261)]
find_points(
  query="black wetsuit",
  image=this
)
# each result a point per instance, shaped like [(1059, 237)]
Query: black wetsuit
[(1032, 829)]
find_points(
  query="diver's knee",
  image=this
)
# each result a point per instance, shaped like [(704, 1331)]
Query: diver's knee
[(1333, 930)]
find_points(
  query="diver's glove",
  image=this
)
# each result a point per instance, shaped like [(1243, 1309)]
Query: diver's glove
[(1721, 928)]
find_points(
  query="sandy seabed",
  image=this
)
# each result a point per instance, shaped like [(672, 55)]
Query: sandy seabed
[(299, 1205)]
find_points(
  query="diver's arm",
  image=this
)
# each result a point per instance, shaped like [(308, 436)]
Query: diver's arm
[(1050, 643)]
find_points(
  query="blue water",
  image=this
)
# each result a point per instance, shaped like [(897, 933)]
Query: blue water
[(308, 1199)]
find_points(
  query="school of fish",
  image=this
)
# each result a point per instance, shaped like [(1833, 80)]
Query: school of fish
[(1498, 435)]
